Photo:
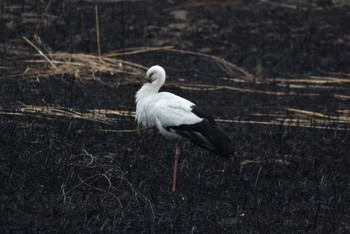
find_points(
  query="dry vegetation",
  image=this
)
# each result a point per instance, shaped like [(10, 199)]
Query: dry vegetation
[(84, 67), (75, 161)]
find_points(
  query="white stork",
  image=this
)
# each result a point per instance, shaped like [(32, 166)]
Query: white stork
[(177, 118)]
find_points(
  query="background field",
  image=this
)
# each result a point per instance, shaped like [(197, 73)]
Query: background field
[(275, 74)]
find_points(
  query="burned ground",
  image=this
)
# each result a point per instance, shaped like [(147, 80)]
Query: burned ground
[(73, 160)]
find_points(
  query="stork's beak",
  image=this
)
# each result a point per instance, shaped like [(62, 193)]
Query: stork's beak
[(144, 79), (147, 79)]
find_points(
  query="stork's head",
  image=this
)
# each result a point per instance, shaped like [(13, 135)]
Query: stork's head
[(156, 73)]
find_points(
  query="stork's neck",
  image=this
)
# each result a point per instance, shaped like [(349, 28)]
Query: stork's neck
[(147, 90)]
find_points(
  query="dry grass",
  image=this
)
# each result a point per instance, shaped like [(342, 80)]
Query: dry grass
[(201, 3), (85, 67), (98, 175), (88, 67), (108, 117)]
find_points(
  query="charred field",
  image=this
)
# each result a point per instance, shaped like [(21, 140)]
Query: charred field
[(276, 76)]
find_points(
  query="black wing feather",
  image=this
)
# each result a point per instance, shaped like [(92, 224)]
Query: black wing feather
[(206, 134), (200, 113)]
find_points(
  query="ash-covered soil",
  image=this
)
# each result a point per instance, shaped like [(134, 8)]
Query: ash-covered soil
[(67, 166)]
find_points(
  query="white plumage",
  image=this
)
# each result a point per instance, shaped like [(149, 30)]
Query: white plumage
[(177, 118)]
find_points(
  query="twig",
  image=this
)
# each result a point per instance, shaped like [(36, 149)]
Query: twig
[(244, 90), (40, 52), (136, 50), (226, 66), (317, 114), (320, 80), (42, 17), (97, 31)]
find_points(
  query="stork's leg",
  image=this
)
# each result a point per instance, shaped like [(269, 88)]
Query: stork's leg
[(177, 156)]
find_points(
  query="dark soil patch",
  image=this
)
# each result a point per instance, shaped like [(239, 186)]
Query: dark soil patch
[(61, 173)]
